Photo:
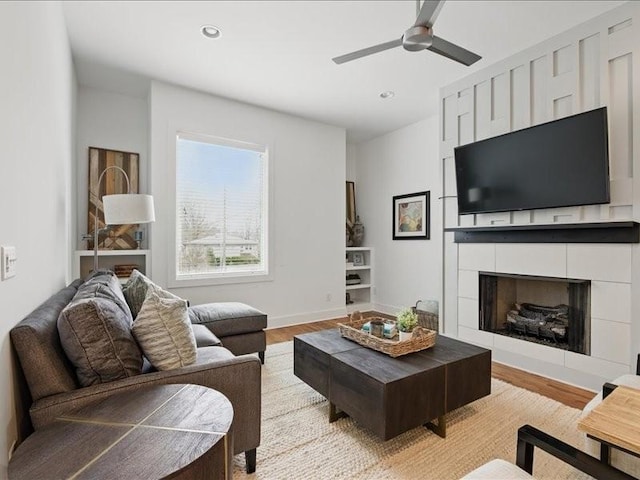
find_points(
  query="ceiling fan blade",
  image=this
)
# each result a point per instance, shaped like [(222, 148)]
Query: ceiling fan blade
[(367, 51), (428, 13), (452, 51)]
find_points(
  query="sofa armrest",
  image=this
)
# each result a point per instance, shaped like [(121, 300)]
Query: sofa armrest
[(238, 378)]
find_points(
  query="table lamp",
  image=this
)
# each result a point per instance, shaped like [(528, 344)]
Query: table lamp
[(122, 209)]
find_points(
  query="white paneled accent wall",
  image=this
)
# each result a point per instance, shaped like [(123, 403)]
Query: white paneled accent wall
[(592, 65)]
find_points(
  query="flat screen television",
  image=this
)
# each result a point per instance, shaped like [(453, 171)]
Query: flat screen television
[(556, 164)]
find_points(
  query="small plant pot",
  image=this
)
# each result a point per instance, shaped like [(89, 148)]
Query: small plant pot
[(404, 336)]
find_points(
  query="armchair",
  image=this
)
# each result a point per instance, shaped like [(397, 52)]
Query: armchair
[(621, 460), (530, 437)]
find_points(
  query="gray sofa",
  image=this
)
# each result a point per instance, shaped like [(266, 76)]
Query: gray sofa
[(54, 389)]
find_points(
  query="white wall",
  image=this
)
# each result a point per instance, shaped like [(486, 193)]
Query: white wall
[(37, 88), (401, 162), (308, 211), (113, 121), (351, 167)]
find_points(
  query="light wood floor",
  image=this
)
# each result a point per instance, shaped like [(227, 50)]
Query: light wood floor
[(568, 394)]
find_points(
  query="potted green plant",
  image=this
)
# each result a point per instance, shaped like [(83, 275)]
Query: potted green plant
[(407, 320)]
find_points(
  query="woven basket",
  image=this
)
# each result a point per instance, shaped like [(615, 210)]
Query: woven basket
[(422, 338), (426, 319)]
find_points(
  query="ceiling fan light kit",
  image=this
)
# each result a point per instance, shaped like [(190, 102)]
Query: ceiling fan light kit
[(420, 37)]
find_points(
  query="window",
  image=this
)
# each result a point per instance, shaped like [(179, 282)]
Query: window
[(221, 208)]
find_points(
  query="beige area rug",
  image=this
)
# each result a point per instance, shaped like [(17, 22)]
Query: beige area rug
[(298, 442)]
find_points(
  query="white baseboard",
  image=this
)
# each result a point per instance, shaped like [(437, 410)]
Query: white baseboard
[(387, 309), (307, 317)]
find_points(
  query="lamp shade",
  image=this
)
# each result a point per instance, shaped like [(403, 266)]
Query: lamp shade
[(125, 209)]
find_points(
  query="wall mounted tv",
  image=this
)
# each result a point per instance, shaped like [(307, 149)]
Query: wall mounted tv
[(556, 164)]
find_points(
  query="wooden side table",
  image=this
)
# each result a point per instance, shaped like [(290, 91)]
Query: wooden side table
[(165, 431), (615, 422)]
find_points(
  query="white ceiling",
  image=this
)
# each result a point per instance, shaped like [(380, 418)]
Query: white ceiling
[(277, 54)]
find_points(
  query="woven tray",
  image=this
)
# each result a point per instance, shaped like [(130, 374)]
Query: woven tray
[(421, 339)]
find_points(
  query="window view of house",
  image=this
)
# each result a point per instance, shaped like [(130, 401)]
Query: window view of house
[(220, 207)]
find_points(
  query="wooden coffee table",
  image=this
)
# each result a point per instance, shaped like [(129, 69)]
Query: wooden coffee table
[(392, 395), (175, 431)]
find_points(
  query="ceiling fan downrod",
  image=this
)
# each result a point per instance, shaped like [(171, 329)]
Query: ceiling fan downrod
[(417, 38)]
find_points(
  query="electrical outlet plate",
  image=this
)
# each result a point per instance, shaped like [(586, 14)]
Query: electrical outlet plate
[(8, 262)]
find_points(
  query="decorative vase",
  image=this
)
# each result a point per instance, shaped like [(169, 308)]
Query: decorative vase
[(349, 241), (404, 336), (358, 233)]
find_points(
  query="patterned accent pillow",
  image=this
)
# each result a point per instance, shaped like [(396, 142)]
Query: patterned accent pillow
[(135, 291), (163, 331), (96, 336)]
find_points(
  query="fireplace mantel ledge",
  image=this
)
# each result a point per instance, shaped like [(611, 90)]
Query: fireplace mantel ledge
[(595, 232)]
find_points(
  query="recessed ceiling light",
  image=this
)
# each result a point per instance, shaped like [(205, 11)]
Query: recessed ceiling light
[(210, 31), (387, 94)]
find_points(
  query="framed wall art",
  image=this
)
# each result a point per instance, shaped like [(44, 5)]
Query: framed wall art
[(119, 237), (351, 204), (411, 216), (358, 259)]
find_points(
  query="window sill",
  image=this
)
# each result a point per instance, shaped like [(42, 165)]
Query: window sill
[(202, 281)]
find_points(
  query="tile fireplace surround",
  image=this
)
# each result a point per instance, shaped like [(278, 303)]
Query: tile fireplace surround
[(607, 266)]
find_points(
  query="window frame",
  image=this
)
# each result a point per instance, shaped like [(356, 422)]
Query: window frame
[(266, 147)]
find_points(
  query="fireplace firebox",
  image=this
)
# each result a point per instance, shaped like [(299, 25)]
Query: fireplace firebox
[(544, 310)]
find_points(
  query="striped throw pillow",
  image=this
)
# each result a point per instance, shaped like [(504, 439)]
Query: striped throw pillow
[(163, 331)]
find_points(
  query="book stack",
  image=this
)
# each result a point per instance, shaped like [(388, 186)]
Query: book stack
[(353, 279), (124, 270)]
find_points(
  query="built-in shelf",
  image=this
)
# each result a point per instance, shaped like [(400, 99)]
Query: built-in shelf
[(83, 261), (359, 296), (598, 232)]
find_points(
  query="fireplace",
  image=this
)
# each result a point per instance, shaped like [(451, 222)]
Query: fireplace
[(549, 311)]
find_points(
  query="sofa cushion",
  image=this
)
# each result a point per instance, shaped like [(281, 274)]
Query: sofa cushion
[(204, 336), (228, 318), (163, 330), (135, 291), (497, 470), (212, 355), (37, 344), (245, 342), (96, 336)]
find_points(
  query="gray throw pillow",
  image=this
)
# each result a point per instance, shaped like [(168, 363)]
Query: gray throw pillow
[(135, 291), (96, 336), (163, 331), (104, 284)]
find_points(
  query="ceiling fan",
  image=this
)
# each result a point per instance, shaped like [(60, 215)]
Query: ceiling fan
[(419, 37)]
